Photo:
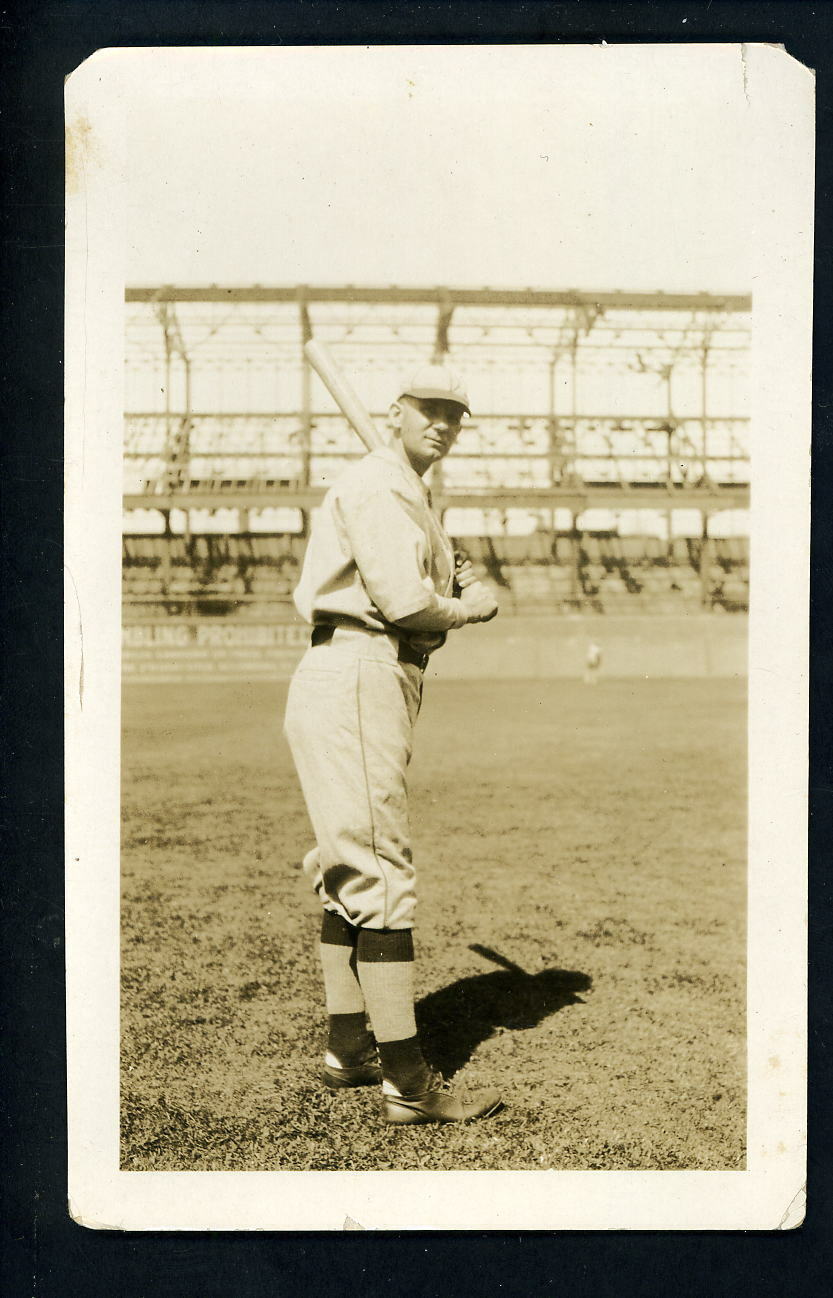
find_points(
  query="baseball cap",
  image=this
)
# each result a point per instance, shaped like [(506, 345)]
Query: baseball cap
[(437, 383)]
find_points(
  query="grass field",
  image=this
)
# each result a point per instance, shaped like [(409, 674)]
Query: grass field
[(591, 838)]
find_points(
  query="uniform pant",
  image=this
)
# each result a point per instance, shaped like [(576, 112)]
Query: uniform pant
[(350, 714)]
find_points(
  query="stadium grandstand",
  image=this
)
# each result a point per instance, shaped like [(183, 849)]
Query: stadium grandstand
[(605, 468)]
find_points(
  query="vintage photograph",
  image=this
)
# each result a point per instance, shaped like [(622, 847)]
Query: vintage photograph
[(436, 476)]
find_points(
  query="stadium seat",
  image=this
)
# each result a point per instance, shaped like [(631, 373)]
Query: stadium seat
[(564, 550)]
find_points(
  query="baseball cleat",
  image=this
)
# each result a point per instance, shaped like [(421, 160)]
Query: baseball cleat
[(437, 1102), (365, 1073)]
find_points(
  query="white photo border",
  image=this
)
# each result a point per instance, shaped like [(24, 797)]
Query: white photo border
[(769, 1193)]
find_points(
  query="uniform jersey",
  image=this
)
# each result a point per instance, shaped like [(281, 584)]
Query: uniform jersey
[(378, 553)]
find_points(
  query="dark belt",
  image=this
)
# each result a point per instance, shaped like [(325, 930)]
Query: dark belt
[(323, 633)]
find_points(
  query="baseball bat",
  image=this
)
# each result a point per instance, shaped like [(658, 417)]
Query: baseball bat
[(328, 370)]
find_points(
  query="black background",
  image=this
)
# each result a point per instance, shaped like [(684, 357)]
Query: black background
[(45, 1254)]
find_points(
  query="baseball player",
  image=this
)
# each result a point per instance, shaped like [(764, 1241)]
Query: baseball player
[(592, 663), (378, 585)]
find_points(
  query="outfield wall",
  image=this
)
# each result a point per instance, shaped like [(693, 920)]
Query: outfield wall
[(709, 644)]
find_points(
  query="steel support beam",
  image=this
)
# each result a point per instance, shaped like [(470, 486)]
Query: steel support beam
[(448, 297), (574, 498), (306, 384)]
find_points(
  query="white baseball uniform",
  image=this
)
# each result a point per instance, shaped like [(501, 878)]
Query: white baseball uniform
[(377, 553)]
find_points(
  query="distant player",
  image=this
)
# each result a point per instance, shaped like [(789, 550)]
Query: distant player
[(592, 663), (378, 586)]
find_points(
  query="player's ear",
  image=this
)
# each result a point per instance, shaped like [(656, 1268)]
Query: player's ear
[(395, 414)]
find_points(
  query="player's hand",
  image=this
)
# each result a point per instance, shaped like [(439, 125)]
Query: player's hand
[(464, 573), (479, 602)]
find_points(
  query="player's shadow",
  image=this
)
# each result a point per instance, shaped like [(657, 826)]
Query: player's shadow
[(453, 1021)]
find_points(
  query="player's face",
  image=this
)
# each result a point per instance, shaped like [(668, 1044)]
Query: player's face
[(427, 429)]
